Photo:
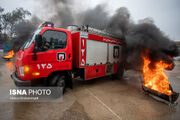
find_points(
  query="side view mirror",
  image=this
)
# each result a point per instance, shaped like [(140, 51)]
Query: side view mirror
[(38, 42)]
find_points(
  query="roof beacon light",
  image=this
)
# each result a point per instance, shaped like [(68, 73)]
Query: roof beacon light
[(47, 24)]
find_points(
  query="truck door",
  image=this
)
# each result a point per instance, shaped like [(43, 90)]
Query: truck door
[(55, 53)]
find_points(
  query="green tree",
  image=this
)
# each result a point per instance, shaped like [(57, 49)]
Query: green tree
[(1, 11), (9, 19), (15, 28), (8, 22)]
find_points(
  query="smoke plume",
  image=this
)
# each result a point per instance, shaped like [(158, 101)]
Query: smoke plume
[(146, 35), (139, 36), (96, 18), (24, 30), (62, 11)]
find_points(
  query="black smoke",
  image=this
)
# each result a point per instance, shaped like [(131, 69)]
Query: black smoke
[(24, 30), (97, 17), (146, 35), (120, 22), (62, 11), (139, 36)]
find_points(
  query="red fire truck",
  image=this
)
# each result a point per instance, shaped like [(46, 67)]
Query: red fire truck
[(56, 56)]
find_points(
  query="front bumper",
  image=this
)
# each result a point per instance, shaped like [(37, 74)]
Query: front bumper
[(19, 82)]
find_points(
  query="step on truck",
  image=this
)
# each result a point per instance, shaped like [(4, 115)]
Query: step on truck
[(55, 56)]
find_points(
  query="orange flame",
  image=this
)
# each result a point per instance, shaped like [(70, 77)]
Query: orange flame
[(9, 55), (155, 78)]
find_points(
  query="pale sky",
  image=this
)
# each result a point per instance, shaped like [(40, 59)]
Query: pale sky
[(165, 13)]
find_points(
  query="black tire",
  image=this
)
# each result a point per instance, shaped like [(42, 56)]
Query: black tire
[(60, 86), (61, 82)]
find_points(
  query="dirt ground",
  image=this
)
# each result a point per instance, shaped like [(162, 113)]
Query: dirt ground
[(98, 99)]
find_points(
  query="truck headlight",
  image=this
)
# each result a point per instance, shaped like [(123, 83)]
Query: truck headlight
[(21, 70), (24, 70)]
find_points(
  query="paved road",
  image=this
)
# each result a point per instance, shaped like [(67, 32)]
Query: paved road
[(98, 99)]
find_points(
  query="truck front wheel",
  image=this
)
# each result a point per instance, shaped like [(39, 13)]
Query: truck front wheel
[(61, 82)]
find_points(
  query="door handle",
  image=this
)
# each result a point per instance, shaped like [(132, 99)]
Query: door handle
[(69, 55)]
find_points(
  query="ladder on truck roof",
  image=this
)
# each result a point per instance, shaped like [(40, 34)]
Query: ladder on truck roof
[(75, 28)]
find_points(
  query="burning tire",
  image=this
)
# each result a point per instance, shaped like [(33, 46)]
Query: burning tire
[(155, 81), (7, 59), (163, 97), (9, 55)]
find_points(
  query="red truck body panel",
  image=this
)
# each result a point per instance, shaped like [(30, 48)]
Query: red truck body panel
[(80, 55), (95, 71), (83, 51), (46, 62), (76, 51)]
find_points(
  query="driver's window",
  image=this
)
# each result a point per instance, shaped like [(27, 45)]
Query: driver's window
[(53, 40)]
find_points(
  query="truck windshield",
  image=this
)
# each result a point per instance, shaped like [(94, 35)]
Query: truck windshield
[(54, 39), (30, 40)]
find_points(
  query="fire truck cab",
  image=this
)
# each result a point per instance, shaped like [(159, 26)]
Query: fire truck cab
[(56, 56)]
